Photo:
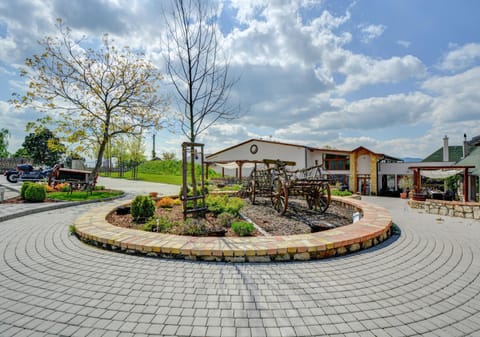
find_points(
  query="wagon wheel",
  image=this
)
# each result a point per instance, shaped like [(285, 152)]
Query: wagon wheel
[(279, 196), (251, 190), (319, 197)]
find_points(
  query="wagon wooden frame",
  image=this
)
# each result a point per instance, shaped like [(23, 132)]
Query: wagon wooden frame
[(278, 184)]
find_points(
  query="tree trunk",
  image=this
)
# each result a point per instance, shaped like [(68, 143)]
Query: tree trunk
[(98, 163), (101, 150)]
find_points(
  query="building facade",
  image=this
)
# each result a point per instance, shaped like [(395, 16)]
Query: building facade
[(360, 170), (355, 170)]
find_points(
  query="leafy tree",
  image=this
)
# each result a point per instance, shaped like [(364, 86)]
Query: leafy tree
[(21, 153), (168, 155), (97, 94), (136, 149), (43, 147), (4, 143), (197, 69)]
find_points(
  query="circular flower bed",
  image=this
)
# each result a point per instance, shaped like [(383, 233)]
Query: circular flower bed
[(168, 218)]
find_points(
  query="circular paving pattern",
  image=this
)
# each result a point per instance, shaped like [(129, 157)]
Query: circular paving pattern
[(425, 282)]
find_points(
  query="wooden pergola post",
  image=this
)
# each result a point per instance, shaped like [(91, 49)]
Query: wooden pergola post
[(465, 184), (240, 164), (417, 181)]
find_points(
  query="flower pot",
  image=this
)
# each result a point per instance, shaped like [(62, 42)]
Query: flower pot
[(403, 195)]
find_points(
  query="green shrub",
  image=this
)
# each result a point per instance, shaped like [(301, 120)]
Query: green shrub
[(190, 191), (72, 230), (35, 193), (234, 205), (222, 203), (339, 193), (25, 185), (225, 219), (242, 228), (159, 225), (99, 188), (66, 188), (142, 208), (195, 228)]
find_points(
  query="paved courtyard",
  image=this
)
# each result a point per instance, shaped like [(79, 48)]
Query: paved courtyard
[(425, 282)]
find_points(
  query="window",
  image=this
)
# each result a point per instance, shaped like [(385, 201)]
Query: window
[(337, 162)]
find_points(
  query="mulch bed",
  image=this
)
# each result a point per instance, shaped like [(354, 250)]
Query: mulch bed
[(174, 214), (297, 220)]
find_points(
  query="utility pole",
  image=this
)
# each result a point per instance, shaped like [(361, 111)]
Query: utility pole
[(154, 155)]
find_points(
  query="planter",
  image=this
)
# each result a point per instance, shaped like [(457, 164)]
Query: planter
[(419, 197), (403, 195)]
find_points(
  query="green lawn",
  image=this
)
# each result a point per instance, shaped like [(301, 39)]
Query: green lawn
[(161, 178), (83, 195), (155, 178), (162, 171)]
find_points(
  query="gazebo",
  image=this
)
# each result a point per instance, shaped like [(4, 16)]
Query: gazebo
[(440, 172)]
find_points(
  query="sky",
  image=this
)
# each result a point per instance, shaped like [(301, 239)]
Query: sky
[(392, 76)]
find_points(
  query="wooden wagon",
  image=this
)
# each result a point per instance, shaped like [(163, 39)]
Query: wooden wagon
[(279, 184), (77, 179)]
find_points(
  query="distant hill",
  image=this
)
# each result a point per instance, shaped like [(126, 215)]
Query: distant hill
[(411, 160)]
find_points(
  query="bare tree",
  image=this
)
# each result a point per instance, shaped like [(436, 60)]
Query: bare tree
[(198, 69), (97, 94)]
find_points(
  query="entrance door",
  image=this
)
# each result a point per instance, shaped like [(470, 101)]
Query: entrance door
[(363, 185)]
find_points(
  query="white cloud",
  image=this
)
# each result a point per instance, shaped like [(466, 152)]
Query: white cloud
[(361, 70), (457, 96), (461, 58), (371, 32), (404, 43), (367, 114), (8, 50)]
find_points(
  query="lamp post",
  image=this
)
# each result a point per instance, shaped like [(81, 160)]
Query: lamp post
[(154, 155)]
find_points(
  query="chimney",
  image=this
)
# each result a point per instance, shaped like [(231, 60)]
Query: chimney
[(445, 148), (465, 145)]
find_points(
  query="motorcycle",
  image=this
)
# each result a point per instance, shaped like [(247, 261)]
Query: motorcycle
[(26, 172)]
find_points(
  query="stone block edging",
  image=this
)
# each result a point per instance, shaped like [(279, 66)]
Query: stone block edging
[(373, 228), (467, 210)]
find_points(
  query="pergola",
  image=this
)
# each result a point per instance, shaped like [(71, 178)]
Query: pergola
[(237, 164), (417, 180)]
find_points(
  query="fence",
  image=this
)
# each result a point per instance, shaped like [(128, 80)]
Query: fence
[(10, 163), (120, 169)]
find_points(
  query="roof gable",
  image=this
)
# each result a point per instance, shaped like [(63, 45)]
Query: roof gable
[(251, 141)]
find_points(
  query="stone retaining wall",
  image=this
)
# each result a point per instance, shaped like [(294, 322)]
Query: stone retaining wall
[(467, 210)]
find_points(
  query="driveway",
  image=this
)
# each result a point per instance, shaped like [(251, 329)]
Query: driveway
[(424, 282), (138, 187)]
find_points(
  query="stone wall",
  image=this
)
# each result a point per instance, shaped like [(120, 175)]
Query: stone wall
[(467, 210)]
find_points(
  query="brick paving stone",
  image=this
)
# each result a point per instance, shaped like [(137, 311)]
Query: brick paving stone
[(423, 282), (229, 332)]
